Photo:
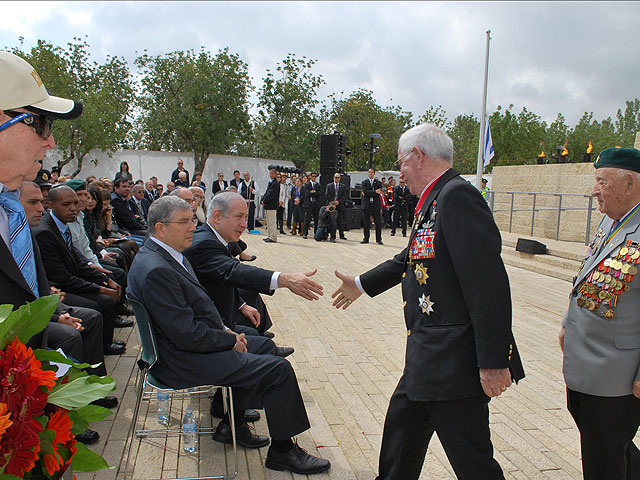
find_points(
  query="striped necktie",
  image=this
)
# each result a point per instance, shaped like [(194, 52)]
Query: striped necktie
[(67, 238), (20, 239)]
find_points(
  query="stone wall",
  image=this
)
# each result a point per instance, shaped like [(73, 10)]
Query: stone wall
[(565, 178)]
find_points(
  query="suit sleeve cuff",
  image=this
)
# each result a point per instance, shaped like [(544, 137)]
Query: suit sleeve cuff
[(274, 281), (359, 284)]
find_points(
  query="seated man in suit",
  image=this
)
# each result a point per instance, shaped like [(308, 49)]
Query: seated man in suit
[(139, 202), (123, 212), (195, 347), (66, 270)]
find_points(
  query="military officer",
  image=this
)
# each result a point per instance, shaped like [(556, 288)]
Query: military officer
[(600, 334), (459, 353)]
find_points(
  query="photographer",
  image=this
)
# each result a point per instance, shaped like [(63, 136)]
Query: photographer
[(328, 222)]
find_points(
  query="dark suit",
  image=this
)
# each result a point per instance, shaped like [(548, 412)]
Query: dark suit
[(66, 270), (400, 209), (271, 197), (458, 320), (312, 202), (125, 216), (194, 349), (216, 186), (176, 174), (330, 195), (150, 196), (370, 204), (222, 275), (143, 210)]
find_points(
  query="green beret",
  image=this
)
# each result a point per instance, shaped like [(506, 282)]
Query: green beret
[(627, 158), (76, 184)]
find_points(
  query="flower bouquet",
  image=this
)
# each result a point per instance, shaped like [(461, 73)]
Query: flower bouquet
[(41, 411)]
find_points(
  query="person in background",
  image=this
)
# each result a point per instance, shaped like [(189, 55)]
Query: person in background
[(175, 175), (124, 172)]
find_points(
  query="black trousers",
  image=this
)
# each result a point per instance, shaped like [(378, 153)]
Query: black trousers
[(251, 220), (270, 382), (103, 304), (340, 221), (371, 210), (607, 426), (310, 213), (289, 214), (399, 216), (463, 429), (280, 219)]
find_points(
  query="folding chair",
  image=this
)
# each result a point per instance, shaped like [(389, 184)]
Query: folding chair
[(146, 379)]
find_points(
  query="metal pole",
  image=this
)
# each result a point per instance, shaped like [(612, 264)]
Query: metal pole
[(479, 166), (511, 213), (533, 214), (589, 208), (559, 213)]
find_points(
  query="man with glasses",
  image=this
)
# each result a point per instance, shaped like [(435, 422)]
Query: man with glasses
[(336, 192), (459, 352)]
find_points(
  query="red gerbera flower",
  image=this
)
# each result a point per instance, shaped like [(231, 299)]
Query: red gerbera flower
[(18, 452), (61, 424), (4, 419), (18, 369)]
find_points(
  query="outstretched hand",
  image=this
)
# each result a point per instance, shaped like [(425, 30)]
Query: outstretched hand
[(301, 284), (347, 293)]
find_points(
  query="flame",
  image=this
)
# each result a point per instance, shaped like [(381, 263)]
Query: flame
[(542, 154), (590, 147)]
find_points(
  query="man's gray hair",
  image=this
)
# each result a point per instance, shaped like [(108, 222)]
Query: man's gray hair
[(222, 201), (431, 141), (137, 187), (162, 210)]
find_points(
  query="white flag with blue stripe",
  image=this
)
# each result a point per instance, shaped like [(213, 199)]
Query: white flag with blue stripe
[(487, 152)]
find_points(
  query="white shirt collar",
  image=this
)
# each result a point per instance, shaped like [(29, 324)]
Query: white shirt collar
[(222, 240), (177, 256)]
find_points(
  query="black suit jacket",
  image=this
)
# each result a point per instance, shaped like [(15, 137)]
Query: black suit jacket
[(470, 325), (369, 192), (330, 194), (221, 274), (149, 196), (189, 330), (401, 195), (176, 174), (125, 217), (216, 186), (65, 268), (143, 211), (313, 199), (271, 198)]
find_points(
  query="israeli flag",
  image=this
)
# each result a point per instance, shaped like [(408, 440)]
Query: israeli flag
[(487, 152)]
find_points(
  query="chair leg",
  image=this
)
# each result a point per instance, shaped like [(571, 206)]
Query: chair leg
[(132, 431)]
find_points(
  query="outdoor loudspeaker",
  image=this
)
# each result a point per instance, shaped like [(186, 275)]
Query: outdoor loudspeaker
[(530, 246)]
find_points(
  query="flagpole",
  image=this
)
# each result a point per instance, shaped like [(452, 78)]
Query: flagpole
[(483, 120)]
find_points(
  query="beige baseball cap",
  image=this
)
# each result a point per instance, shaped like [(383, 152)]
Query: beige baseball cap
[(21, 87)]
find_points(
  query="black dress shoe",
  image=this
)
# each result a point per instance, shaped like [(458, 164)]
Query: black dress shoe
[(106, 402), (380, 242), (284, 351), (244, 436), (268, 334), (364, 241), (122, 323), (296, 460), (253, 257), (250, 415), (282, 232), (342, 237), (304, 236), (114, 349), (88, 436), (268, 240)]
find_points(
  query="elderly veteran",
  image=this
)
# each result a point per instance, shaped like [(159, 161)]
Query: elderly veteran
[(600, 334)]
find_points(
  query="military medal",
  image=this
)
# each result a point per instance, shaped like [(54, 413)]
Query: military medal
[(426, 304), (421, 274)]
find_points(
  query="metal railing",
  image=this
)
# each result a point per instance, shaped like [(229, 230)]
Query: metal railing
[(588, 208)]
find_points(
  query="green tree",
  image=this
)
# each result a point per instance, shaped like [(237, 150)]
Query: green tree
[(290, 117), (464, 133), (359, 115), (437, 116), (193, 102), (106, 90), (628, 123)]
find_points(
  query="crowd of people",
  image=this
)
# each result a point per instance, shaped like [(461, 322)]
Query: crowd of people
[(92, 240)]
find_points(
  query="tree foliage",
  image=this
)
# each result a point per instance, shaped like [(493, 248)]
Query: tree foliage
[(193, 102), (106, 90)]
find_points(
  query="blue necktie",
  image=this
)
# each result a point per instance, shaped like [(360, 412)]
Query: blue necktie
[(20, 239), (67, 238)]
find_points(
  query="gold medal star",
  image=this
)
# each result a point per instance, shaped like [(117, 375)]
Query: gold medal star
[(426, 304), (421, 274)]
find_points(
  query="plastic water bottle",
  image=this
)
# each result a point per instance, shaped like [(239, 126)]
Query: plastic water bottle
[(163, 407), (189, 437)]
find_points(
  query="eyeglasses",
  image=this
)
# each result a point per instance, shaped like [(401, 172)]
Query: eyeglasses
[(185, 221), (404, 158), (42, 124)]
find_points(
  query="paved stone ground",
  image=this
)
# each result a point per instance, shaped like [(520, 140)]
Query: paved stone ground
[(348, 363)]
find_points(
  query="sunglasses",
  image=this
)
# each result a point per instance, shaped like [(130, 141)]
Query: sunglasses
[(42, 124)]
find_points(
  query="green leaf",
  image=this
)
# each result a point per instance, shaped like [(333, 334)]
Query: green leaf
[(27, 320), (5, 311), (94, 413), (57, 357), (46, 442), (79, 423), (81, 391), (87, 461)]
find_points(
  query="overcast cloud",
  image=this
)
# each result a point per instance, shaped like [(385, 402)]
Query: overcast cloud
[(551, 57)]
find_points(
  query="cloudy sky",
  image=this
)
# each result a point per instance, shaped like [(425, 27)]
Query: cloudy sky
[(551, 57)]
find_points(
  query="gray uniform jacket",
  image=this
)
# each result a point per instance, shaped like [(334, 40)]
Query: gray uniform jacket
[(602, 337)]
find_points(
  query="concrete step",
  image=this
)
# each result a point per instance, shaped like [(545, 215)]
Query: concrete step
[(533, 263), (547, 259), (569, 250)]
